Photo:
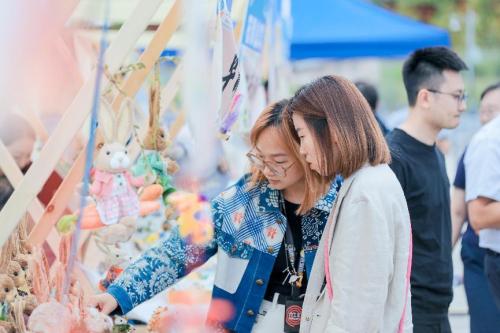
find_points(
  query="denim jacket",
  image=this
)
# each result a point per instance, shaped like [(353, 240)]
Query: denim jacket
[(248, 231)]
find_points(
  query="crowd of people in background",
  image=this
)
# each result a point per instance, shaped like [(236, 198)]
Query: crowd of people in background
[(419, 164)]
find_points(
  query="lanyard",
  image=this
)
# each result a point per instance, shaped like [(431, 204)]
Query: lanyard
[(295, 275)]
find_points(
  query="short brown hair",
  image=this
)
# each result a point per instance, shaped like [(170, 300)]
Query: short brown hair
[(275, 116), (335, 111)]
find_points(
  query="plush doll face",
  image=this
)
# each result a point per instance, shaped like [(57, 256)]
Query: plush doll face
[(112, 157), (156, 139), (16, 273), (8, 291), (117, 257), (23, 261)]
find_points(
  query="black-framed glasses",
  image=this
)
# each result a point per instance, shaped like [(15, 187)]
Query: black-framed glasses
[(459, 97), (259, 163)]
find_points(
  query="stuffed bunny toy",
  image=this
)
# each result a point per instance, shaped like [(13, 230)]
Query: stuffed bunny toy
[(18, 275), (113, 184), (92, 221), (115, 199), (156, 168), (116, 261), (8, 290)]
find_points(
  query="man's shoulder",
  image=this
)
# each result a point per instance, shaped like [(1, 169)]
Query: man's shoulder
[(396, 143), (400, 155)]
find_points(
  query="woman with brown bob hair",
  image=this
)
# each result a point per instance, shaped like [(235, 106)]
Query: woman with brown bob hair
[(365, 252), (266, 233)]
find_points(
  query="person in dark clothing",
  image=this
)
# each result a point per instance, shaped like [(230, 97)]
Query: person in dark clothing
[(370, 93), (436, 97)]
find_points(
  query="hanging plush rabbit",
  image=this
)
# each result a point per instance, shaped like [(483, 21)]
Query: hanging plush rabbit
[(113, 184), (155, 167)]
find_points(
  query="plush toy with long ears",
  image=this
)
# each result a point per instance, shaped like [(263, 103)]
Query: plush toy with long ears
[(114, 187), (152, 164)]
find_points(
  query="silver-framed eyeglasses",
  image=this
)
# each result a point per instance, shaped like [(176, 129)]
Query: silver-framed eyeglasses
[(275, 169)]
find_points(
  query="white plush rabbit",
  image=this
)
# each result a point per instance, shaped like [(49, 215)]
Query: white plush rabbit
[(112, 188)]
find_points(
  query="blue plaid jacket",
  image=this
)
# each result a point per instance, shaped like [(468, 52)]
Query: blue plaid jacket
[(248, 231)]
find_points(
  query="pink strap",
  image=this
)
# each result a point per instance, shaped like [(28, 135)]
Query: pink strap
[(329, 288), (408, 276)]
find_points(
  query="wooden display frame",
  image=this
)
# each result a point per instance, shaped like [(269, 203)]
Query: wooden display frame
[(23, 198)]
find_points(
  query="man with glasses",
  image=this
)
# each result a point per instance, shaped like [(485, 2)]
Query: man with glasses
[(437, 98)]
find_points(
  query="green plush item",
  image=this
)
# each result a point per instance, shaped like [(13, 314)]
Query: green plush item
[(122, 328), (66, 224), (153, 161), (4, 311)]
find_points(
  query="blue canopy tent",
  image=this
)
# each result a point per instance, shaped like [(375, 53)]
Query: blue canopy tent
[(355, 28)]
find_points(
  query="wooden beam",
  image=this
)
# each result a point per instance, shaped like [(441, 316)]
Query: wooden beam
[(168, 95), (72, 120), (172, 87), (149, 57), (32, 118), (176, 127)]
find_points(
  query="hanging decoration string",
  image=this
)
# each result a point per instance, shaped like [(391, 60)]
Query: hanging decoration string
[(89, 152)]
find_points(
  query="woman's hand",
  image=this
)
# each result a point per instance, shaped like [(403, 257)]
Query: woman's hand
[(105, 303)]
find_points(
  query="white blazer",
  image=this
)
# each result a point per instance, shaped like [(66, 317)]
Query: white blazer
[(367, 246)]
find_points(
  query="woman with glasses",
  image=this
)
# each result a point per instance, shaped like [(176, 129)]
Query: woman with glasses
[(266, 233), (365, 253)]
